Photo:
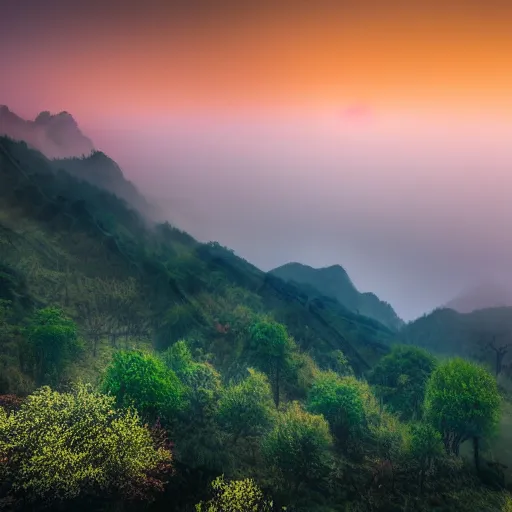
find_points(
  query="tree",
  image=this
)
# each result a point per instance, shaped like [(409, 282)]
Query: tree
[(400, 378), (246, 409), (141, 380), (298, 447), (235, 496), (12, 379), (273, 348), (202, 381), (462, 402), (201, 446), (61, 446), (53, 339), (178, 357), (501, 352), (426, 447), (341, 402)]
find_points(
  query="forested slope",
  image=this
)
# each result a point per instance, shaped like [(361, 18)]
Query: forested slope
[(140, 369), (82, 248)]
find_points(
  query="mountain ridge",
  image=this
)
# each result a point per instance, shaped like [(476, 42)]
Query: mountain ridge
[(59, 138), (485, 295), (333, 281), (55, 135)]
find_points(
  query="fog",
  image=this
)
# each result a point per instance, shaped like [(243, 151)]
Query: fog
[(415, 206)]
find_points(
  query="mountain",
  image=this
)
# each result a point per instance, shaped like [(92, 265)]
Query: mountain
[(484, 296), (59, 138), (56, 136), (450, 333), (334, 282), (100, 170), (67, 242)]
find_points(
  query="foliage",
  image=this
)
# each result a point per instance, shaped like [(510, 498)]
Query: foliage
[(246, 409), (274, 348), (426, 447), (202, 445), (68, 244), (141, 380), (178, 357), (12, 348), (59, 446), (340, 401), (400, 378), (298, 447), (53, 339), (462, 402), (201, 381), (235, 496)]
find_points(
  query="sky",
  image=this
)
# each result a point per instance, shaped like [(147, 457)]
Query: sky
[(371, 134)]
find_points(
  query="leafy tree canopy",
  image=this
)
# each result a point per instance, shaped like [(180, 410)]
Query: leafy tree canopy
[(462, 401), (235, 496), (142, 380), (59, 446), (400, 378), (247, 409), (298, 446), (341, 401), (53, 339)]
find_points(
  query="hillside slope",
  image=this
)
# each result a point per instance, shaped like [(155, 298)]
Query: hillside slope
[(483, 296), (69, 243), (100, 170), (448, 332), (334, 282), (60, 139)]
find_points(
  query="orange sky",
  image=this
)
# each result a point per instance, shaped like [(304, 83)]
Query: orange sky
[(414, 204), (389, 56)]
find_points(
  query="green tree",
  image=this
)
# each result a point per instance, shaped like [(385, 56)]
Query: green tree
[(426, 447), (178, 357), (246, 409), (203, 383), (341, 401), (142, 380), (400, 378), (274, 348), (298, 447), (235, 496), (53, 339), (61, 446), (12, 380), (202, 445), (462, 402)]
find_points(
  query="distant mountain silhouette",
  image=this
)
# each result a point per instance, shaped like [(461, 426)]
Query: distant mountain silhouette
[(102, 171), (60, 139), (448, 332), (483, 296), (335, 282), (56, 136)]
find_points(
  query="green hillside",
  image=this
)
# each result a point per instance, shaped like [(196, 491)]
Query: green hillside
[(74, 245), (447, 332), (142, 370)]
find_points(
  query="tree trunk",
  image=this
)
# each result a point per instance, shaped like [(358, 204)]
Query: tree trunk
[(422, 478), (476, 453), (276, 390)]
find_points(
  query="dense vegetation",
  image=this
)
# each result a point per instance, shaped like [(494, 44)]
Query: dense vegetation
[(141, 369)]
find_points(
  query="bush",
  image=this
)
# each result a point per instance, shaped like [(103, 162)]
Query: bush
[(60, 446)]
